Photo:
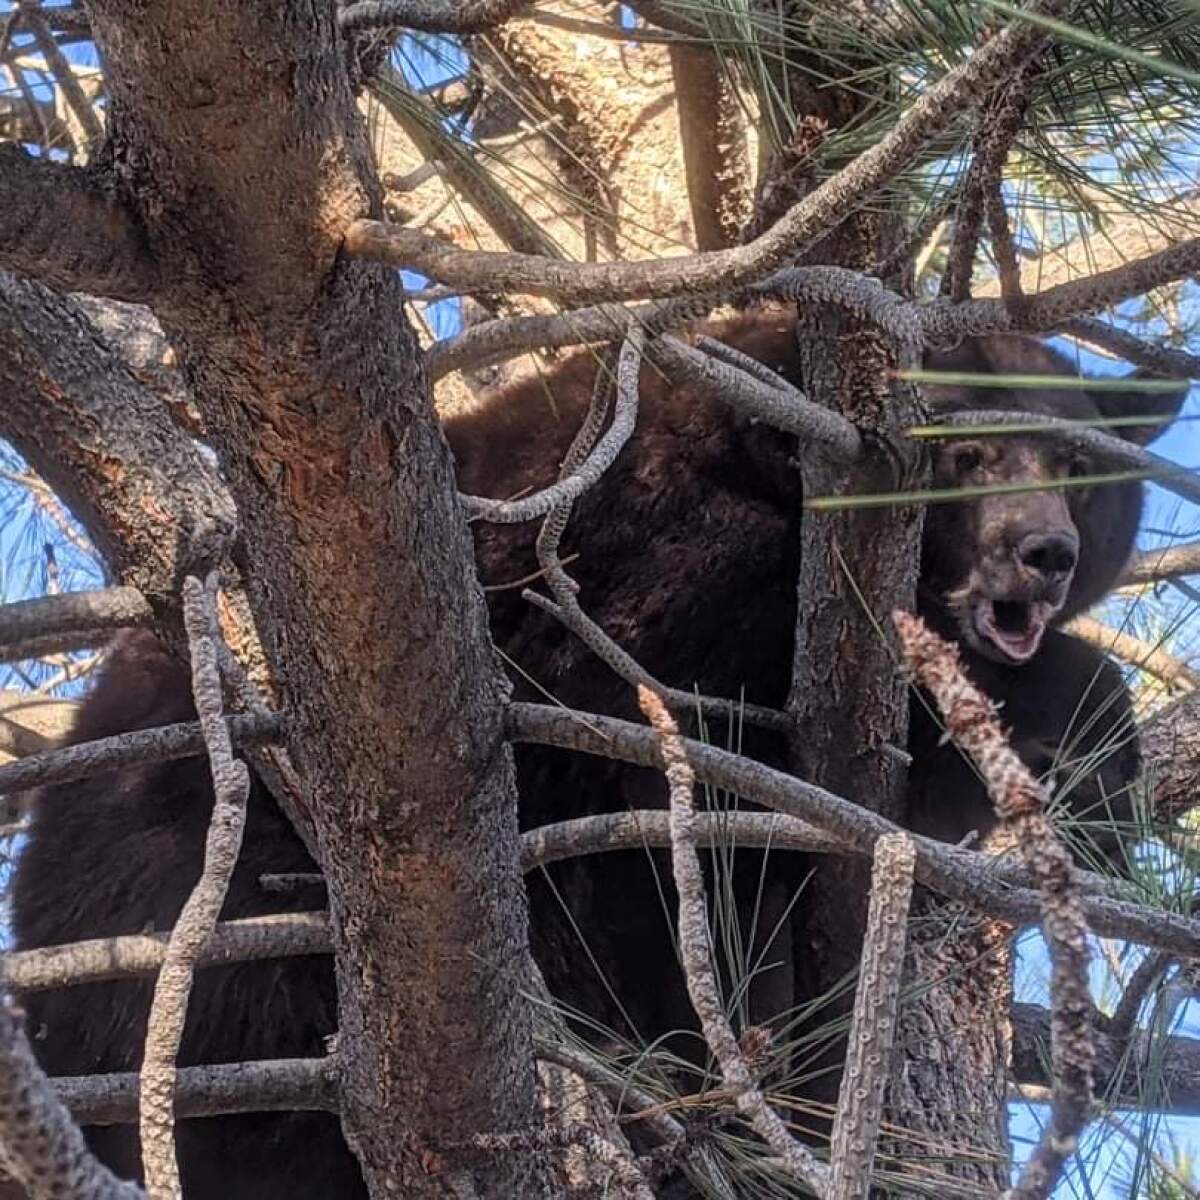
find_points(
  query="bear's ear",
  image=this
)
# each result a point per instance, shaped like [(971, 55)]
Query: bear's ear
[(1162, 402)]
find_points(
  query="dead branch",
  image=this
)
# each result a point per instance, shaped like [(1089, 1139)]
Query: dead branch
[(818, 212), (946, 323), (1165, 562), (194, 927), (69, 621), (868, 1060), (1170, 744), (981, 882), (150, 745), (639, 828), (1020, 801), (280, 935), (1154, 660), (269, 1085), (40, 1145), (695, 953)]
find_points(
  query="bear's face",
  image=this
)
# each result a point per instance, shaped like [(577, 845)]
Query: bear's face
[(1009, 564)]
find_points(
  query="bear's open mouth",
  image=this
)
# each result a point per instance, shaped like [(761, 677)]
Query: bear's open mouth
[(1013, 627)]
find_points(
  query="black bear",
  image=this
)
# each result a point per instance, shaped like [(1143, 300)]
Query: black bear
[(687, 556)]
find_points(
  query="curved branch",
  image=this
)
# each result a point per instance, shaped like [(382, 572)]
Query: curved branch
[(60, 225), (823, 208), (1132, 650)]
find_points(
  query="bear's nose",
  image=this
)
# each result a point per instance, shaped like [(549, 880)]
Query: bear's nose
[(1051, 555)]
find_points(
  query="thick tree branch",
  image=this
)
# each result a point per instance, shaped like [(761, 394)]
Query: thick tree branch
[(61, 226), (69, 621), (314, 397), (40, 1145), (825, 207), (712, 138), (151, 502), (945, 322), (981, 882), (938, 323)]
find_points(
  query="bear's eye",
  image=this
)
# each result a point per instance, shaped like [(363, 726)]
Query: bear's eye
[(967, 459), (1078, 466)]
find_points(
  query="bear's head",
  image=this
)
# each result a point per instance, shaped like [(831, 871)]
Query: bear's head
[(1006, 566)]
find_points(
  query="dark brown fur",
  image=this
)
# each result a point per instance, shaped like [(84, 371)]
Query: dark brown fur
[(688, 552)]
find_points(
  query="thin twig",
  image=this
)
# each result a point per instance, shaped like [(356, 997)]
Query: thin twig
[(876, 1000), (572, 486), (1020, 801), (194, 927), (41, 1147), (1149, 971), (695, 952)]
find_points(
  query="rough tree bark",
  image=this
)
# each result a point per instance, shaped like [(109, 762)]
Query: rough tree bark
[(235, 160)]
